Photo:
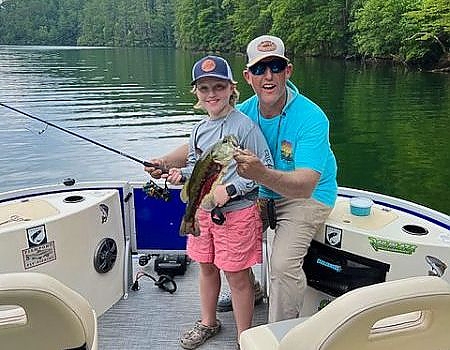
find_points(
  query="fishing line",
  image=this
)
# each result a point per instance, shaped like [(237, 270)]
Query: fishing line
[(143, 162)]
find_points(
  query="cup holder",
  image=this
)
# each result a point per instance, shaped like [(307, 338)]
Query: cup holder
[(415, 230), (73, 199)]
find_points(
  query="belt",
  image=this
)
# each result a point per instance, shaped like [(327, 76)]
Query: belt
[(217, 215), (252, 195)]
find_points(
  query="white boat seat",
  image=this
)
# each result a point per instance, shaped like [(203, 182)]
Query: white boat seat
[(39, 312), (411, 313)]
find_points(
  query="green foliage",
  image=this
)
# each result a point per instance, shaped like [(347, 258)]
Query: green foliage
[(202, 25), (185, 23), (378, 27), (248, 18), (311, 27), (39, 22), (127, 23), (414, 31), (428, 32)]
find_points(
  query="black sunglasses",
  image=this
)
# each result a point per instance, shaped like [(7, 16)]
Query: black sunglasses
[(275, 66)]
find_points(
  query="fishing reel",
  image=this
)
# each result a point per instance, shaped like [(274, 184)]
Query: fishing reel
[(152, 189)]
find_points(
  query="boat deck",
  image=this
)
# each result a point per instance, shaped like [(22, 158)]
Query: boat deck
[(154, 319)]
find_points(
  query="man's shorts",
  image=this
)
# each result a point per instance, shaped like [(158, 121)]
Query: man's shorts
[(234, 246)]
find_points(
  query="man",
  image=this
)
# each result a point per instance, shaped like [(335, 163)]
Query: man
[(301, 189)]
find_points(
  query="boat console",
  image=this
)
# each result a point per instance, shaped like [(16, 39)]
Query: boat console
[(396, 239), (76, 237)]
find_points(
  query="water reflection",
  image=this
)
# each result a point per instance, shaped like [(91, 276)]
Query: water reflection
[(388, 126)]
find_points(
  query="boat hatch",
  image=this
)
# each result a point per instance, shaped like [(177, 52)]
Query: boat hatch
[(415, 230), (73, 199)]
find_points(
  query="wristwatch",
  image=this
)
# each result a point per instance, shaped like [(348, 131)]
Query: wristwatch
[(231, 190)]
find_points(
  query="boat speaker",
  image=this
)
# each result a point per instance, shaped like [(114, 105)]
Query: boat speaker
[(105, 255)]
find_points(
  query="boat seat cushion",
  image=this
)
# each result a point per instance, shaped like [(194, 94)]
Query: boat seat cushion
[(39, 312), (277, 330), (411, 313)]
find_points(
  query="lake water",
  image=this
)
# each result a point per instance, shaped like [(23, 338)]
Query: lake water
[(389, 127)]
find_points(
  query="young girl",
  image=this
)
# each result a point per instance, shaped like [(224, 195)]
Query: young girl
[(236, 245)]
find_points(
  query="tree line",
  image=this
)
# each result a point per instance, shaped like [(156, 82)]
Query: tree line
[(415, 32)]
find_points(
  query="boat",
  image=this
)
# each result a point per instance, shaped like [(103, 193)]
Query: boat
[(117, 244)]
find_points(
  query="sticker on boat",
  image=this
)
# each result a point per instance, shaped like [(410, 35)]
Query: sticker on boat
[(38, 255), (104, 210), (392, 246), (36, 235), (333, 236)]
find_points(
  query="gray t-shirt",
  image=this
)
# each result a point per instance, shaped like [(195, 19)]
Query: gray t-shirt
[(208, 131)]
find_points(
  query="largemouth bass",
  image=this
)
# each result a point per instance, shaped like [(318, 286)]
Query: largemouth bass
[(207, 173)]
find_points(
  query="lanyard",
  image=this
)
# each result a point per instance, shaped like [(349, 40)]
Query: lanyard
[(278, 132), (271, 204)]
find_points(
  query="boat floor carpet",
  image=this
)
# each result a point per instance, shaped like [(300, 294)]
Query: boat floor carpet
[(154, 319)]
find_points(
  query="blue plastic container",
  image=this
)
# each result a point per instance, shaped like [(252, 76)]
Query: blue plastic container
[(360, 206)]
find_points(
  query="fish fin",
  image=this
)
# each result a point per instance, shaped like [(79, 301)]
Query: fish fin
[(196, 229), (185, 227), (189, 227), (184, 192)]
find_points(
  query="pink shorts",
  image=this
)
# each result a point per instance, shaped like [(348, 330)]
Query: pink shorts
[(234, 246)]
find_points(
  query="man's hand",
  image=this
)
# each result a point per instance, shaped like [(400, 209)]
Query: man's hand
[(249, 165)]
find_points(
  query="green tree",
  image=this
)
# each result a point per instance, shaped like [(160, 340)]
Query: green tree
[(68, 27), (202, 25), (311, 27), (248, 19), (162, 23), (377, 27), (39, 22), (97, 23), (125, 23), (428, 32), (185, 23)]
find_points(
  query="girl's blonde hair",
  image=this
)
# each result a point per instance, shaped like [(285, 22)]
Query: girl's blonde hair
[(234, 98)]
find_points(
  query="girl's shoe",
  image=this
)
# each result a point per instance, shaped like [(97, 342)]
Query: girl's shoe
[(198, 334)]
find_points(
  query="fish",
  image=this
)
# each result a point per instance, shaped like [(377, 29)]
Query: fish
[(207, 174)]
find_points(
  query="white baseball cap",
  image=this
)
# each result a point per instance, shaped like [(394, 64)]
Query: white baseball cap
[(265, 46)]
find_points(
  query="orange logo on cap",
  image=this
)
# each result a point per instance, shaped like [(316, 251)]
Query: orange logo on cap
[(208, 65), (266, 46)]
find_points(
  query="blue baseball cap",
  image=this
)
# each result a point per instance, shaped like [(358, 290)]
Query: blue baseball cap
[(212, 66)]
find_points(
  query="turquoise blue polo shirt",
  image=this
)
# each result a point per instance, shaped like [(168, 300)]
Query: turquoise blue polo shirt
[(298, 138)]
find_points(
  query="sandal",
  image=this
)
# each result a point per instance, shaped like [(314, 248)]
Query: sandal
[(197, 335)]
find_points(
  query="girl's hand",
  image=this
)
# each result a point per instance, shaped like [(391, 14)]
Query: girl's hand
[(175, 177), (221, 196)]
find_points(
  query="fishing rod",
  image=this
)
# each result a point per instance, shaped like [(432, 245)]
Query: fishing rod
[(143, 162)]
